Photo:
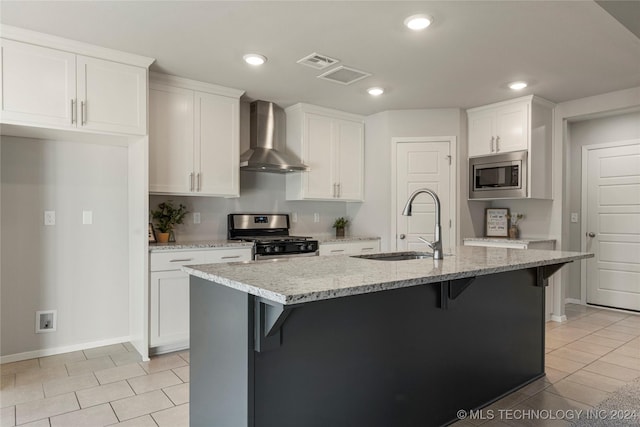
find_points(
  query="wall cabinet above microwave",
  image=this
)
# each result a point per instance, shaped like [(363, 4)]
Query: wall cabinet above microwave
[(518, 125)]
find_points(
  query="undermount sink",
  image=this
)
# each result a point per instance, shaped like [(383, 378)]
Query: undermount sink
[(396, 256)]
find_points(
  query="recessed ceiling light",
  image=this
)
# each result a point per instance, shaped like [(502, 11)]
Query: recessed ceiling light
[(254, 59), (375, 91), (517, 85), (418, 22)]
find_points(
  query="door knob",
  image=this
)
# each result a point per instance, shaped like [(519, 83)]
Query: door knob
[(402, 236), (591, 234)]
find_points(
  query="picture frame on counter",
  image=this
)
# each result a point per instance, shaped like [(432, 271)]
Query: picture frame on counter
[(496, 222), (152, 234)]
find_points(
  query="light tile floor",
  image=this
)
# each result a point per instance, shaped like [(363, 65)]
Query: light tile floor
[(587, 358)]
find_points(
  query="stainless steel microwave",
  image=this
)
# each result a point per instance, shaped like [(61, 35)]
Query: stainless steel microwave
[(499, 176)]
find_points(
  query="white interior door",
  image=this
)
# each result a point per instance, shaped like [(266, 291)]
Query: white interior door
[(612, 178), (423, 165)]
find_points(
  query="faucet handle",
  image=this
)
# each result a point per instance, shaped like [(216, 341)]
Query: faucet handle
[(428, 243)]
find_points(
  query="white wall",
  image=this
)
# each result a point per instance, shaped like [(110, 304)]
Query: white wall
[(581, 133), (79, 270), (374, 215)]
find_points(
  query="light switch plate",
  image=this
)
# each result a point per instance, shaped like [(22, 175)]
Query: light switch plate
[(87, 217), (49, 217), (196, 217)]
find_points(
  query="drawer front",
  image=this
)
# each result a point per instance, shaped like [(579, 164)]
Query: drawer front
[(173, 260), (350, 248), (227, 255)]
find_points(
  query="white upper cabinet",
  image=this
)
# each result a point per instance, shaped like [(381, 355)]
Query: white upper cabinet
[(38, 85), (47, 84), (112, 96), (521, 124), (194, 138), (331, 143), (499, 129)]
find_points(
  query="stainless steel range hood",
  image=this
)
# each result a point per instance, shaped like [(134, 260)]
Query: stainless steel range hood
[(266, 131)]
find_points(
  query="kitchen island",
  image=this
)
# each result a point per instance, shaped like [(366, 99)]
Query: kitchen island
[(352, 341)]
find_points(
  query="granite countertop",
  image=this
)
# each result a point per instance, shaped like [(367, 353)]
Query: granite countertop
[(301, 280), (522, 240), (203, 244)]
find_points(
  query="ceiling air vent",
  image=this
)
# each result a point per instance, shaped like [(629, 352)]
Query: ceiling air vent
[(344, 75), (317, 61)]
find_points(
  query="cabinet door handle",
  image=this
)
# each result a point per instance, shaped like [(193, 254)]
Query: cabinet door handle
[(339, 190), (230, 257), (83, 113), (73, 109), (334, 190), (367, 249), (181, 260), (191, 181), (497, 144), (491, 144), (198, 182), (337, 250)]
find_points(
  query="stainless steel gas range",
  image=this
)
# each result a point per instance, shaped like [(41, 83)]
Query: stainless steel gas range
[(270, 235)]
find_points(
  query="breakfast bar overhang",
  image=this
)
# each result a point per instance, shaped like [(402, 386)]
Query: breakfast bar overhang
[(347, 341)]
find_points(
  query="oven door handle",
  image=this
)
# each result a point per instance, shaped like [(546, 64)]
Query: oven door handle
[(284, 256)]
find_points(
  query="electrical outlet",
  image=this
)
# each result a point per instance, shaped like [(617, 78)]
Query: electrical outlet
[(49, 217), (316, 217), (46, 321), (294, 216), (87, 217), (574, 217), (196, 217)]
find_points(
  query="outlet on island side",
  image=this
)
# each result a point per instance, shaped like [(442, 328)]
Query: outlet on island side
[(316, 217), (196, 217)]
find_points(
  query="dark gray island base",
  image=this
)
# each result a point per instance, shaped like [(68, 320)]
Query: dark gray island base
[(410, 356)]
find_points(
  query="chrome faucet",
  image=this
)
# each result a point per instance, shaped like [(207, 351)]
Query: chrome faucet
[(436, 245)]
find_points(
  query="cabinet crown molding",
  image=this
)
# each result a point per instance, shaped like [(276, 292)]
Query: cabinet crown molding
[(176, 81), (40, 39), (309, 108), (529, 98)]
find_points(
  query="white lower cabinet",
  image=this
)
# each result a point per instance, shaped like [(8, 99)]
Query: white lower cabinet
[(354, 247), (169, 293)]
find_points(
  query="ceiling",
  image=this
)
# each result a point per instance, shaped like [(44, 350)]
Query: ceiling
[(565, 49)]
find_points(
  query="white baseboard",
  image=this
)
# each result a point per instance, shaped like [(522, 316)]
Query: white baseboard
[(59, 350), (559, 319), (573, 301), (169, 348)]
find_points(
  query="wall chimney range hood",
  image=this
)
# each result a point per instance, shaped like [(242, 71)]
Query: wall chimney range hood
[(267, 131)]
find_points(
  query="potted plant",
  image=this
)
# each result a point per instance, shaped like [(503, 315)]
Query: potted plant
[(339, 224), (166, 217)]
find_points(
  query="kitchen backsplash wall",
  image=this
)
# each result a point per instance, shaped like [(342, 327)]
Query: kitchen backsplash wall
[(259, 193)]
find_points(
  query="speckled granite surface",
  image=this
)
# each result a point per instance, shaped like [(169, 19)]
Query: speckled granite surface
[(525, 241), (300, 280), (157, 247)]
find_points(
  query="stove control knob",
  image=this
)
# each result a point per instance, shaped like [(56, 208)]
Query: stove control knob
[(303, 247), (267, 249), (277, 249), (310, 247)]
